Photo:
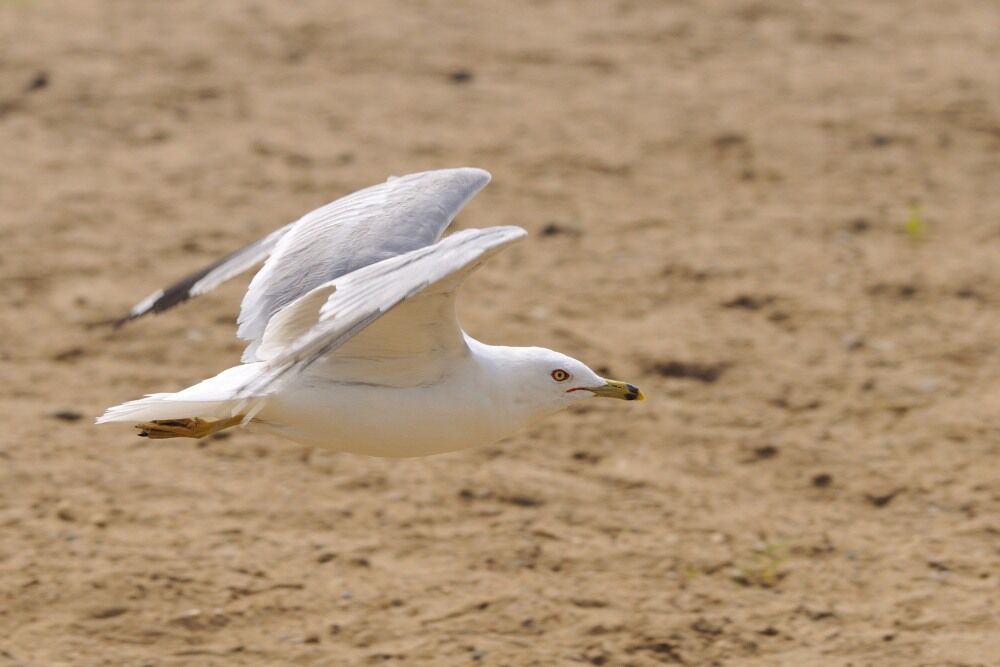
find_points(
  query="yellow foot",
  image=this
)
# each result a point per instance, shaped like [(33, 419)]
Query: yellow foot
[(185, 428)]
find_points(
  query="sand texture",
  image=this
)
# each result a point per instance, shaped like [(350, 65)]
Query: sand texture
[(780, 219)]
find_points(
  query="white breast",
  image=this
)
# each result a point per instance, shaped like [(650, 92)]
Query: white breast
[(457, 412)]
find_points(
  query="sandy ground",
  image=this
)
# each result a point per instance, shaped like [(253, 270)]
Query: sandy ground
[(780, 219)]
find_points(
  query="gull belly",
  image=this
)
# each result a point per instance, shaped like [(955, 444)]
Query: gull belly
[(388, 421)]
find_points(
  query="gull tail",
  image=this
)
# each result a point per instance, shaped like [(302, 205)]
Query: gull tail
[(195, 412)]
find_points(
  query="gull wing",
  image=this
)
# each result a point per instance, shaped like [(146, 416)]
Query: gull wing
[(371, 225), (208, 278), (399, 308), (354, 231)]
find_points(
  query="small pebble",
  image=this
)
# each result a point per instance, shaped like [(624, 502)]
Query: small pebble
[(39, 81), (822, 480), (854, 341), (556, 229), (65, 513), (108, 612)]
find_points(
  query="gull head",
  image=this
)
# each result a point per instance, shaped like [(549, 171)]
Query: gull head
[(551, 381)]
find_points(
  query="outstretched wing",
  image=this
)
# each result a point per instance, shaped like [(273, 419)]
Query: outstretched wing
[(206, 279), (371, 225), (413, 294), (362, 228)]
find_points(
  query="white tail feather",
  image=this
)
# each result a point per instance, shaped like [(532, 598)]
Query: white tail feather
[(209, 399), (166, 406)]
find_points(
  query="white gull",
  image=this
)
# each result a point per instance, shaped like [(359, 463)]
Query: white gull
[(354, 344)]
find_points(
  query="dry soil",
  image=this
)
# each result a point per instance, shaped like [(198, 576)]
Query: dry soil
[(780, 219)]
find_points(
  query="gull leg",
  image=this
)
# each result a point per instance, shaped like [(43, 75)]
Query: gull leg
[(185, 428)]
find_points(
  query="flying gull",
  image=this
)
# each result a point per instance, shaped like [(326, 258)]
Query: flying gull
[(354, 344)]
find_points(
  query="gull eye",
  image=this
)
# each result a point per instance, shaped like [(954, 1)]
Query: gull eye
[(559, 375)]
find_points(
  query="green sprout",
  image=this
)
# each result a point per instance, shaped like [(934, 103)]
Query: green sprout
[(915, 225), (765, 569)]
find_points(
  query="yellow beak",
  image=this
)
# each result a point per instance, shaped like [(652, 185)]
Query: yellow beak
[(616, 389)]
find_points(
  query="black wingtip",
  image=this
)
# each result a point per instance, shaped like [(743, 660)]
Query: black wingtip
[(114, 323), (119, 322)]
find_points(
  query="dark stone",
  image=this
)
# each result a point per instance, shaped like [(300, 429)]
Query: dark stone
[(822, 480), (748, 302), (38, 82), (882, 500), (688, 370), (109, 612)]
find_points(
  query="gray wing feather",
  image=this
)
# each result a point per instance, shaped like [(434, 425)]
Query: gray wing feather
[(363, 228), (206, 278), (365, 295), (367, 226)]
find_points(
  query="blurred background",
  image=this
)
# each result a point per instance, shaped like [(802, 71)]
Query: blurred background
[(780, 219)]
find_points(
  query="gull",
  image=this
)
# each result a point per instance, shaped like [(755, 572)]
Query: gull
[(353, 340)]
